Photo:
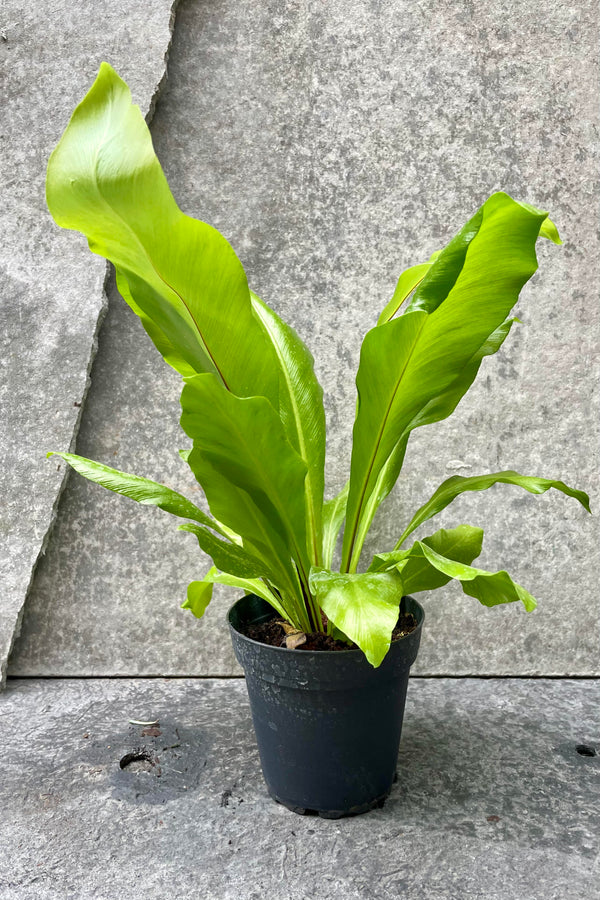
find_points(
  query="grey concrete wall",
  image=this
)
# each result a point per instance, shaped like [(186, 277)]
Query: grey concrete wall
[(51, 290), (334, 145)]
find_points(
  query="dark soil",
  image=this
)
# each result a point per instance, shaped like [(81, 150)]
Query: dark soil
[(271, 632)]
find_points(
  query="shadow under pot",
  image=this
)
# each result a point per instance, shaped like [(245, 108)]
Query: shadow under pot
[(327, 723)]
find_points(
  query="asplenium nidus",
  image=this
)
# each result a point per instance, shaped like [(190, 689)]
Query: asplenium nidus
[(251, 403)]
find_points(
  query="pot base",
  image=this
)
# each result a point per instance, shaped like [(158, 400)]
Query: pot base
[(333, 813)]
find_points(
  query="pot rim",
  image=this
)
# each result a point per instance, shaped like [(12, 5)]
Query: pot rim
[(346, 654)]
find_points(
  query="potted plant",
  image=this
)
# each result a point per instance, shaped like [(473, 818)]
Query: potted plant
[(326, 653)]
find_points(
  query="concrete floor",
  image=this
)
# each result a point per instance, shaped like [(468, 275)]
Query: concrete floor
[(493, 800)]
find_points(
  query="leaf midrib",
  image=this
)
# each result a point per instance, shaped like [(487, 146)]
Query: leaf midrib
[(366, 480), (140, 244), (309, 491)]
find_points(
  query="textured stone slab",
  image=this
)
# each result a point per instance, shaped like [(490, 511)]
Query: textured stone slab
[(335, 144), (493, 800), (51, 290)]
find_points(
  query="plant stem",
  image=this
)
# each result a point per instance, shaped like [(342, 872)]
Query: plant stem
[(310, 604)]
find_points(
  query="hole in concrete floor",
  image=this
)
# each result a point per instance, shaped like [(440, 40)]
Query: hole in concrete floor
[(585, 750), (137, 761)]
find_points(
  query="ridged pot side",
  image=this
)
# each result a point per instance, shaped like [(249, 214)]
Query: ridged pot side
[(327, 723)]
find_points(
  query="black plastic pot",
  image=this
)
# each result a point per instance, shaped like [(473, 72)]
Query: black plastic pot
[(327, 723)]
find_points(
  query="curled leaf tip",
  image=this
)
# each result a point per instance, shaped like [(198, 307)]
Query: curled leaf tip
[(550, 231)]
